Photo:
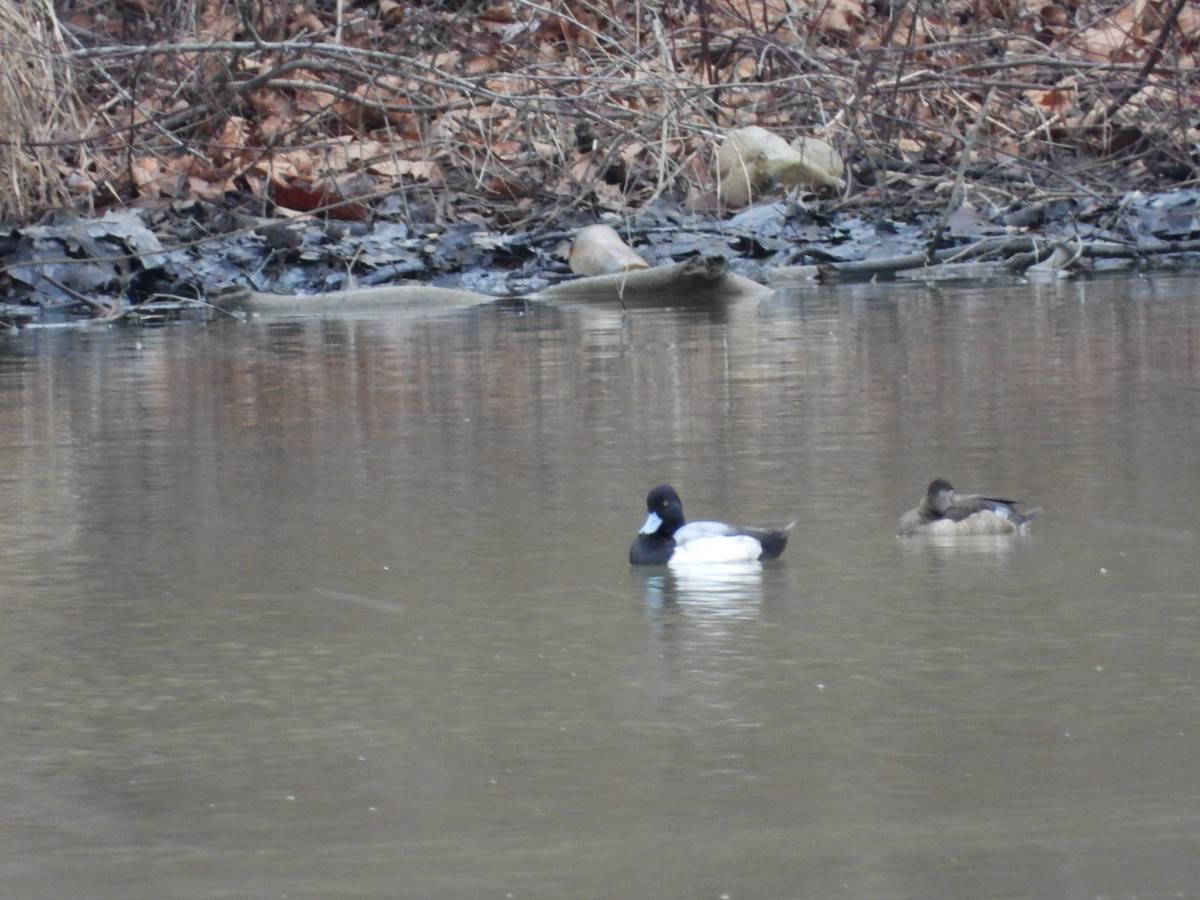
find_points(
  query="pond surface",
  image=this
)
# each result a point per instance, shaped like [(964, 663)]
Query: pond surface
[(342, 609)]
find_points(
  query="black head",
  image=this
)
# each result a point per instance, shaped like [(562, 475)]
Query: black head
[(655, 541), (664, 502)]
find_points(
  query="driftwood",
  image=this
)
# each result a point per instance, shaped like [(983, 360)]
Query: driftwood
[(599, 250), (407, 298), (696, 281), (705, 280), (752, 159), (1011, 256)]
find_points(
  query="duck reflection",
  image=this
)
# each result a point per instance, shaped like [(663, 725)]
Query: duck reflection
[(705, 650), (717, 589), (941, 547), (982, 556)]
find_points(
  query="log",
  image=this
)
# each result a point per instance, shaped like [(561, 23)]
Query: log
[(693, 282), (698, 281), (407, 298)]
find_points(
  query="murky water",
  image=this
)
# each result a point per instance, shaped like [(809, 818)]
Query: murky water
[(341, 608)]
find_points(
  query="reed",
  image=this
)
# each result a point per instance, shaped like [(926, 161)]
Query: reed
[(37, 101)]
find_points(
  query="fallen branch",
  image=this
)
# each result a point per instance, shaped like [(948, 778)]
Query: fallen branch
[(1016, 254), (694, 282), (420, 299)]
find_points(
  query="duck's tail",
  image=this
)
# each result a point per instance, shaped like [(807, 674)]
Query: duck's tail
[(1024, 517), (773, 540)]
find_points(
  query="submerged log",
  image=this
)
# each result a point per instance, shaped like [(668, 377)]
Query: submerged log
[(699, 280), (415, 298), (694, 282)]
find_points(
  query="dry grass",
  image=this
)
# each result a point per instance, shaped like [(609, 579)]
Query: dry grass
[(37, 106)]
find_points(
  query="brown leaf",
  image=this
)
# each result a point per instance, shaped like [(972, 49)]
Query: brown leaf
[(307, 23), (505, 187), (508, 150), (1114, 38), (145, 174), (1057, 101), (232, 140), (302, 195), (396, 169), (391, 13)]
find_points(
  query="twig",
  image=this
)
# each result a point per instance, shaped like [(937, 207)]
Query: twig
[(956, 192), (1152, 60)]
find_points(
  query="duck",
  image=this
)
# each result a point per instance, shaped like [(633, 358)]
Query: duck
[(665, 538), (946, 513)]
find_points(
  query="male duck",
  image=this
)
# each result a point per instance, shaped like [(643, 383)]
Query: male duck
[(946, 513), (664, 538)]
